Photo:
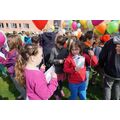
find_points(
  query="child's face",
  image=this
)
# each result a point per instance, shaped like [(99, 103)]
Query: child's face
[(75, 50), (59, 46)]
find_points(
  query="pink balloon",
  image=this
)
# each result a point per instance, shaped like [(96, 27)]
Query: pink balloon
[(74, 25), (96, 22), (2, 39)]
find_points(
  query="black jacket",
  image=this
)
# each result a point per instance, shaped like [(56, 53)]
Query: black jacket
[(47, 42), (57, 54), (109, 60)]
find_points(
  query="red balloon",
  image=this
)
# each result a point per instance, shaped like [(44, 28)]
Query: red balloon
[(40, 24), (96, 22)]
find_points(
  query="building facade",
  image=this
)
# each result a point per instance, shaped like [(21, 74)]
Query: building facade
[(24, 25)]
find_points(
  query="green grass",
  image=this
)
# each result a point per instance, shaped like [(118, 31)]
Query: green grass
[(7, 89)]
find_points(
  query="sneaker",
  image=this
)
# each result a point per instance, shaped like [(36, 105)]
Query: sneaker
[(20, 98), (57, 97)]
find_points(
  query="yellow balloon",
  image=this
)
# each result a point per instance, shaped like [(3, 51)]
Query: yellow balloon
[(63, 24), (84, 23)]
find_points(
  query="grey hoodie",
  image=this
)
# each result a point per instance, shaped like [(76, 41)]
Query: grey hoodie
[(116, 39)]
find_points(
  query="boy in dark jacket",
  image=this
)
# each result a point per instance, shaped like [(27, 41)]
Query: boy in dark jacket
[(109, 60)]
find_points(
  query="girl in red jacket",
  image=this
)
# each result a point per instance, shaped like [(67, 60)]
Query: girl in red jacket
[(77, 73)]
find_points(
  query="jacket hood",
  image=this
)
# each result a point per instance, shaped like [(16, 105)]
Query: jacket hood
[(116, 39)]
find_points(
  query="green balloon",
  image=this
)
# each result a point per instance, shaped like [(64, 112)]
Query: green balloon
[(112, 27), (70, 23), (89, 24)]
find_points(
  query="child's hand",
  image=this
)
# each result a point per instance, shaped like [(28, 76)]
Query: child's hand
[(61, 61), (91, 53), (77, 69), (43, 67), (117, 49), (54, 75)]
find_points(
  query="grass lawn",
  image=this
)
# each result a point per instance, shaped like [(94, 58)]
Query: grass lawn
[(7, 89)]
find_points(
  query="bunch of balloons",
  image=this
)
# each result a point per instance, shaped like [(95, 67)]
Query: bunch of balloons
[(98, 26)]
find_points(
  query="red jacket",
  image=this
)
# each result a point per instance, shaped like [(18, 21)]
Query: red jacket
[(80, 76)]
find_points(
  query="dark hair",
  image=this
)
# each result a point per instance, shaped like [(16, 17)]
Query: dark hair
[(8, 35), (89, 35), (14, 32), (15, 42), (61, 40), (24, 54), (82, 38), (27, 33), (76, 43), (96, 36), (35, 39)]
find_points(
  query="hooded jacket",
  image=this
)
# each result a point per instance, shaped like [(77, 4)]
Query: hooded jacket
[(109, 60), (80, 76)]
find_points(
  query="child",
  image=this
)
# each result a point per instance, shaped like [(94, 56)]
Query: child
[(27, 38), (57, 56), (88, 47), (28, 74), (77, 75), (14, 43), (35, 40)]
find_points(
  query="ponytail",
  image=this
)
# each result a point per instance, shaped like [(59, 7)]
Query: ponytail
[(19, 70)]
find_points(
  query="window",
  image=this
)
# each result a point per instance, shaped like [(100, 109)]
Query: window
[(26, 25), (13, 25), (7, 26), (1, 25), (19, 25)]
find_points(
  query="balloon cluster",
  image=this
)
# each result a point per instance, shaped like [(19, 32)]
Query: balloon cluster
[(99, 27)]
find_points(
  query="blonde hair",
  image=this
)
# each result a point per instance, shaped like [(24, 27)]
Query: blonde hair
[(23, 57)]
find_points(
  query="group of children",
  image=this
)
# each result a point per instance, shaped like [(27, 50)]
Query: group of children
[(25, 62)]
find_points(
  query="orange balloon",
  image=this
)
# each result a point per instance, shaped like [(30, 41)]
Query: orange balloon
[(101, 28)]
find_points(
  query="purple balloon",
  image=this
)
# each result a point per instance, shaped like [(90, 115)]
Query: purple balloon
[(96, 22), (2, 39), (74, 25)]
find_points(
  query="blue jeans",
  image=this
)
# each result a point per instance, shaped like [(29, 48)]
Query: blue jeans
[(78, 90), (87, 78)]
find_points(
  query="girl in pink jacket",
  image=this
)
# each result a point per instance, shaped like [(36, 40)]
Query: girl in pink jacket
[(28, 74)]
